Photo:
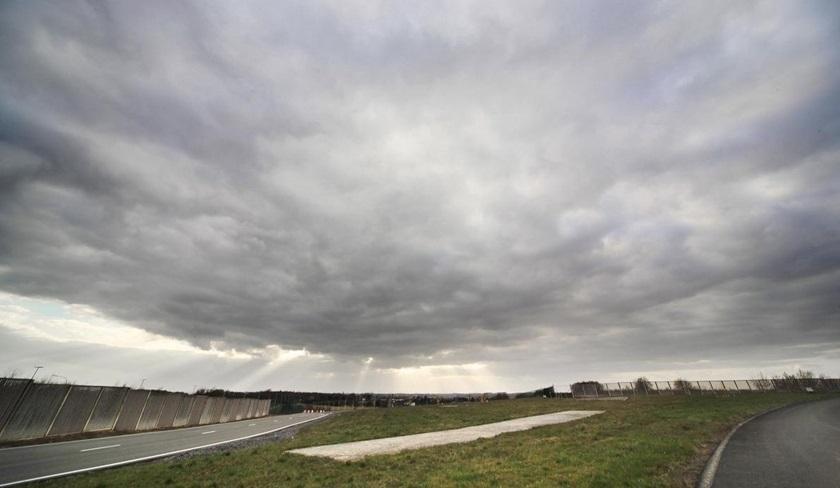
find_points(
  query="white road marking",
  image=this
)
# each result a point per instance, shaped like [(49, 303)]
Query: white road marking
[(153, 456), (251, 425), (123, 436), (98, 448), (208, 432)]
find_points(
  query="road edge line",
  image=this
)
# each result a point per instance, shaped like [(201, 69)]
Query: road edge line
[(155, 456), (707, 478), (132, 434)]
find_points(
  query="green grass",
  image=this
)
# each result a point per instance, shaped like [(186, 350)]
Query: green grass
[(654, 441)]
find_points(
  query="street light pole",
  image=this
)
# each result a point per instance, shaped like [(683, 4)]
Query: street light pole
[(36, 372), (141, 383)]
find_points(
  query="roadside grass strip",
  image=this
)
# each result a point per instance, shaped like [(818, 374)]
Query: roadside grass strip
[(645, 442), (353, 451)]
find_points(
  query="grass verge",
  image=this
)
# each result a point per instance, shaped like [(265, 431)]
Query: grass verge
[(652, 441)]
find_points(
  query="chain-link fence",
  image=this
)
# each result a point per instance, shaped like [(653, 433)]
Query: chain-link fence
[(597, 389)]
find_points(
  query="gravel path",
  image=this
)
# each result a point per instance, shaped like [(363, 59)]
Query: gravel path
[(352, 451)]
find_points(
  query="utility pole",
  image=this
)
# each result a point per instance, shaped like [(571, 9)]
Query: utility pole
[(141, 383)]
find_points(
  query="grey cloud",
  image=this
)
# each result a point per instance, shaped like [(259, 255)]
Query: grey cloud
[(402, 182)]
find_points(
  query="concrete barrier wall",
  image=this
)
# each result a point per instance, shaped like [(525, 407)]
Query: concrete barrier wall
[(75, 412), (182, 418), (234, 410), (228, 410), (132, 407), (252, 412), (205, 414), (197, 409), (216, 413), (208, 410), (107, 408), (242, 410), (11, 389), (170, 408), (32, 410), (151, 412), (35, 412)]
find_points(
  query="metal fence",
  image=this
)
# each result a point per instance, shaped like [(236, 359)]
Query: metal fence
[(30, 410), (596, 389)]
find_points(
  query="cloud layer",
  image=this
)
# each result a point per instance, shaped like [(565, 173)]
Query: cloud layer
[(416, 183)]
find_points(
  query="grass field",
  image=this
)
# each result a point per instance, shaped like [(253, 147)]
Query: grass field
[(653, 441)]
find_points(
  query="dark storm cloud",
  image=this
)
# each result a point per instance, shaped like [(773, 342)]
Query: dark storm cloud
[(397, 181)]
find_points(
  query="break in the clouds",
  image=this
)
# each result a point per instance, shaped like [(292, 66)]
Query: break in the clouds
[(523, 188)]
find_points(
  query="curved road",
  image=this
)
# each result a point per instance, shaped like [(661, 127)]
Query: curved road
[(30, 463), (792, 447)]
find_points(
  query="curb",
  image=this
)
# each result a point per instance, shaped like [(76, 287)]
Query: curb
[(707, 478)]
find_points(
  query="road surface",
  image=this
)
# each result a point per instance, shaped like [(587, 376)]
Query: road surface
[(29, 463), (791, 447)]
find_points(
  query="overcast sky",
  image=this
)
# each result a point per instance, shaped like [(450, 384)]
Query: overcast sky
[(418, 196)]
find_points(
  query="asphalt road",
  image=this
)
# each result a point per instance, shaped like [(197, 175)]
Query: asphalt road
[(29, 463), (792, 447)]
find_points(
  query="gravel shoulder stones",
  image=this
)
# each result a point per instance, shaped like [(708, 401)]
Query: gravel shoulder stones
[(353, 451)]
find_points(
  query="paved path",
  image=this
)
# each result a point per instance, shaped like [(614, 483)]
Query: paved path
[(350, 451), (792, 447), (27, 463)]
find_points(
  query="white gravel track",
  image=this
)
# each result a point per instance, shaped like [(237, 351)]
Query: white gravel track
[(353, 451)]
